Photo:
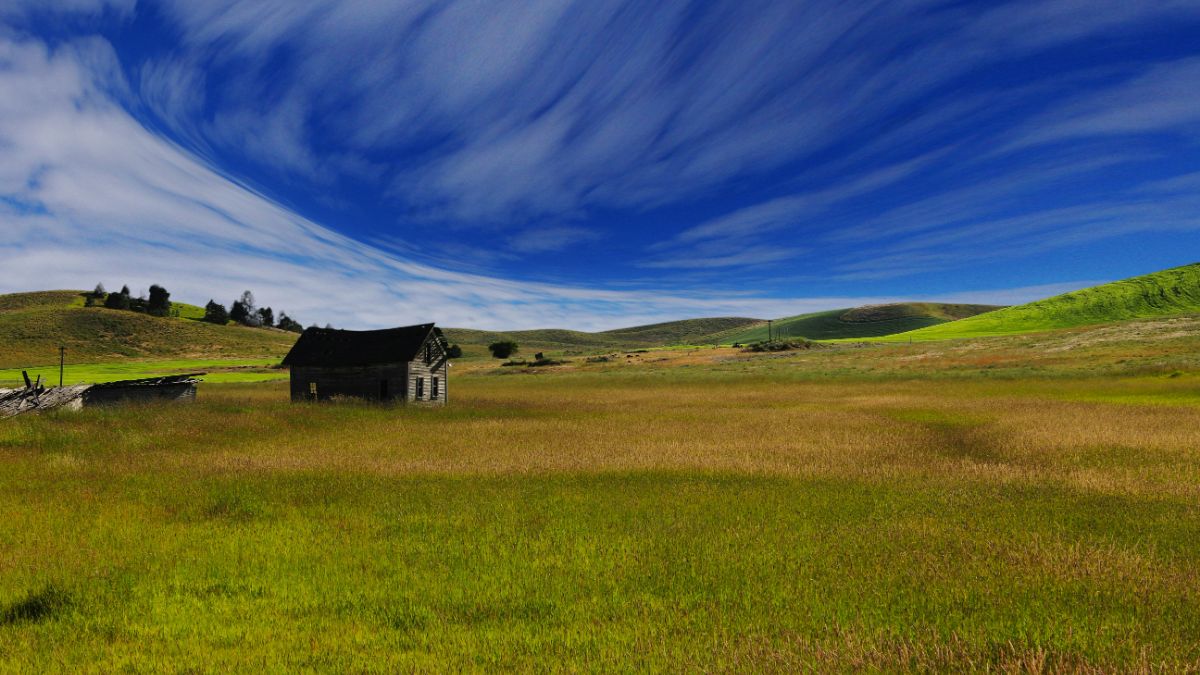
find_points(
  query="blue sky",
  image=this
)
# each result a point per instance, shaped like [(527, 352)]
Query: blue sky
[(595, 164)]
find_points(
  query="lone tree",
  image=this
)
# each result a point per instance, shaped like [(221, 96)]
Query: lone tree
[(160, 301), (214, 312), (238, 312), (244, 310), (266, 316), (454, 352), (118, 300), (503, 349)]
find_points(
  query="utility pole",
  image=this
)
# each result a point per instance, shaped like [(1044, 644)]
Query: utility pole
[(62, 361)]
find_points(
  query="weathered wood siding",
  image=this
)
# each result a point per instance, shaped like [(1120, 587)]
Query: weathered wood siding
[(185, 392), (410, 382), (386, 382), (430, 363), (419, 369)]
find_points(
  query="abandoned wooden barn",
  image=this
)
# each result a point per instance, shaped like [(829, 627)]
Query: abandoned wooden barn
[(394, 364)]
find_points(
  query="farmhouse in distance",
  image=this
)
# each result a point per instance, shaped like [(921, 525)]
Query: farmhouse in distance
[(410, 364)]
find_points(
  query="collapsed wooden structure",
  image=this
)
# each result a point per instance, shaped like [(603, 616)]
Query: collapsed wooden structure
[(36, 397)]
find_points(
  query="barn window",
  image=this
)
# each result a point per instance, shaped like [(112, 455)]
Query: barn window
[(312, 390), (428, 354), (420, 387), (433, 389)]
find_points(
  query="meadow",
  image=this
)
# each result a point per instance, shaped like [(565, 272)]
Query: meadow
[(1025, 503)]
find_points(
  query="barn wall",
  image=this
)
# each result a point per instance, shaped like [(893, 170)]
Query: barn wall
[(184, 392), (358, 382), (419, 369)]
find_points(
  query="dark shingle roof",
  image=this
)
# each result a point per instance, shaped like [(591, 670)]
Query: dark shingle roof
[(332, 347)]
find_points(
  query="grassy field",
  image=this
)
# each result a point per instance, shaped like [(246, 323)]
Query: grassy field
[(1170, 292), (853, 323), (1015, 503), (34, 325), (216, 370)]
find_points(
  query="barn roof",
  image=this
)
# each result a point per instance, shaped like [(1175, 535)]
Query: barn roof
[(333, 347)]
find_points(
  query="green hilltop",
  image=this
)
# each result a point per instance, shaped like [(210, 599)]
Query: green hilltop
[(856, 322), (34, 325), (1170, 292)]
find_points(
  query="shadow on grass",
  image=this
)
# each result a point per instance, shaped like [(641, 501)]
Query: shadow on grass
[(36, 607)]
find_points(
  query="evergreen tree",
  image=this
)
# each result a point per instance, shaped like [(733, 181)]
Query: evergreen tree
[(160, 301), (238, 312), (289, 324), (215, 313)]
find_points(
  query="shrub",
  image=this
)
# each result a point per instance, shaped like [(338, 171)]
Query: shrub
[(454, 352), (780, 346), (503, 349)]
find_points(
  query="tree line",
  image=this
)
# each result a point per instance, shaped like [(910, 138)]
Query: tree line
[(243, 311)]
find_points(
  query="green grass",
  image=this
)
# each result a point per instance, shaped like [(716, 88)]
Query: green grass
[(857, 322), (1021, 503), (1170, 292), (558, 522), (218, 370), (34, 325)]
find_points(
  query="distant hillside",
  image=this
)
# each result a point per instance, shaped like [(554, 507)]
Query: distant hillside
[(858, 322), (33, 325), (687, 331), (1169, 292)]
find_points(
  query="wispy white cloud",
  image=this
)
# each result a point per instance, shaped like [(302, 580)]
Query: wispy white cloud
[(527, 119), (548, 107), (87, 194)]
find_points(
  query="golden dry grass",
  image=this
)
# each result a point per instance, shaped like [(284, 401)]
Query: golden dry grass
[(703, 510)]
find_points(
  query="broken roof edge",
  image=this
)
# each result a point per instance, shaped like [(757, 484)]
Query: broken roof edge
[(336, 347)]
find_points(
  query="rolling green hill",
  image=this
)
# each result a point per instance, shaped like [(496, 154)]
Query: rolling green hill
[(1167, 293), (687, 331), (857, 322), (34, 325)]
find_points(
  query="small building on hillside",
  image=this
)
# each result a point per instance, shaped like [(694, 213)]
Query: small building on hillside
[(394, 364)]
